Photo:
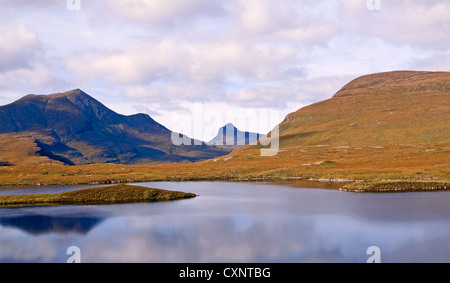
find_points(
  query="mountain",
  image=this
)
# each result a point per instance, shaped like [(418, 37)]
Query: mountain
[(230, 136), (402, 107), (74, 128)]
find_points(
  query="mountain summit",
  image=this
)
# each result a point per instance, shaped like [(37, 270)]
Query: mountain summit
[(231, 136), (77, 128)]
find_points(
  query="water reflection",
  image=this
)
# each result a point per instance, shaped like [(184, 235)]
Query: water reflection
[(42, 224), (231, 222), (237, 238)]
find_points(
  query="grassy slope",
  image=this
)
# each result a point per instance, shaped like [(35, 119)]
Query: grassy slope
[(377, 110), (392, 126), (22, 150), (104, 195)]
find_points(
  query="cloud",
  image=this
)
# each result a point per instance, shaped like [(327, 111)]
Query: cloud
[(309, 33), (19, 48), (257, 16), (158, 69), (135, 64), (279, 96), (435, 62), (264, 96), (31, 3), (173, 93), (309, 22), (418, 23), (164, 12), (23, 66)]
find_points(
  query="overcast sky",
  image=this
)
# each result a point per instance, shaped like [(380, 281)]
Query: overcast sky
[(224, 58)]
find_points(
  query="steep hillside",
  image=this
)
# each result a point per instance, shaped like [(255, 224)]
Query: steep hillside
[(23, 150), (79, 129)]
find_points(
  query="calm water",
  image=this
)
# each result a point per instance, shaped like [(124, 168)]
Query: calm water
[(234, 222)]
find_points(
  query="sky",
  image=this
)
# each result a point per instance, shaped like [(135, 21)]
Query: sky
[(196, 65)]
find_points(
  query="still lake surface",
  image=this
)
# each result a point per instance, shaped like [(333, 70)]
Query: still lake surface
[(234, 223)]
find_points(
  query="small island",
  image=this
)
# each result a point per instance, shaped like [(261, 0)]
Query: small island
[(97, 196), (396, 186)]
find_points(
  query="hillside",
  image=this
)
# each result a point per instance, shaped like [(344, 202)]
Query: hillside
[(22, 150), (376, 110), (74, 128)]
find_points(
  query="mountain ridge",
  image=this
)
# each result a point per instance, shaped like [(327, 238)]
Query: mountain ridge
[(393, 79), (74, 126)]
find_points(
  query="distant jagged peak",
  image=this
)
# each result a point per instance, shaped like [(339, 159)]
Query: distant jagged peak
[(230, 135), (229, 126)]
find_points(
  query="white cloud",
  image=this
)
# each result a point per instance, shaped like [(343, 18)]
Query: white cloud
[(308, 34), (204, 65), (164, 12), (256, 16), (23, 66), (19, 48), (418, 23), (439, 61), (136, 64), (172, 93), (280, 96)]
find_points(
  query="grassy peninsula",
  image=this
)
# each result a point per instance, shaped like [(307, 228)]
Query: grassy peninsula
[(97, 196)]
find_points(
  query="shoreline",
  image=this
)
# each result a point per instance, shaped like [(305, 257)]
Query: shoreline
[(356, 186), (396, 186)]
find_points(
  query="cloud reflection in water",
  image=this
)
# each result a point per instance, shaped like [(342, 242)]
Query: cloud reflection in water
[(235, 225)]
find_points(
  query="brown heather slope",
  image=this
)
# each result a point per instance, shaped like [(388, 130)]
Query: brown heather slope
[(381, 127), (22, 150), (382, 109)]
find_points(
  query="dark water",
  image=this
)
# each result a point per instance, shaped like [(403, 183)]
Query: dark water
[(234, 222)]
